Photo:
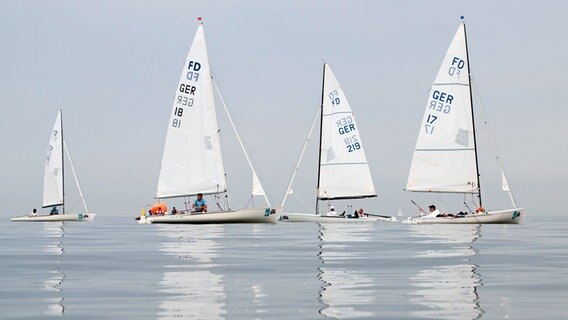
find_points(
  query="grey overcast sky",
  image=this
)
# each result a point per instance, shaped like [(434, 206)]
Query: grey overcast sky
[(113, 67)]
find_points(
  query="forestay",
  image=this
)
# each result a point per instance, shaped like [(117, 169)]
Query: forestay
[(344, 172), (444, 158), (53, 172), (192, 161)]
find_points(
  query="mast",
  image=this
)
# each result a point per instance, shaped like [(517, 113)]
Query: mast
[(472, 114), (62, 163), (321, 132)]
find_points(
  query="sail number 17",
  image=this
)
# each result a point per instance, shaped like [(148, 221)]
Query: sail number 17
[(429, 125)]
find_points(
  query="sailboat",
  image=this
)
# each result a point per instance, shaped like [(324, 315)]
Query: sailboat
[(192, 161), (343, 171), (53, 182), (445, 159)]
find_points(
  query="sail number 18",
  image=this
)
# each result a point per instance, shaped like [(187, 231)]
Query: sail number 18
[(176, 123)]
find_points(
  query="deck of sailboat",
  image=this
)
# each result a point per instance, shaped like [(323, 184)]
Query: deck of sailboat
[(247, 215), (307, 217), (507, 216), (80, 217)]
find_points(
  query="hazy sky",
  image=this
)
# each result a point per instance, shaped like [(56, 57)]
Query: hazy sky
[(113, 67)]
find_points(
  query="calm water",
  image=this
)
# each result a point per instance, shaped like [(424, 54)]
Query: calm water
[(115, 269)]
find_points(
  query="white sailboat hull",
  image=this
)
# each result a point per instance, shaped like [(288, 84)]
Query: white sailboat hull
[(253, 215), (508, 216), (79, 217), (306, 217)]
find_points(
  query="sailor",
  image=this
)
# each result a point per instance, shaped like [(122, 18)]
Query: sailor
[(433, 212), (200, 205), (332, 211), (53, 211)]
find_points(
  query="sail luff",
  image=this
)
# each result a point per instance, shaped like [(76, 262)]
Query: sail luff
[(344, 172), (53, 188), (192, 161), (472, 116), (320, 137), (62, 163), (444, 159)]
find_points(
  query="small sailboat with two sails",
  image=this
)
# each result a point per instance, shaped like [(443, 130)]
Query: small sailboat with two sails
[(192, 161), (343, 171), (445, 159), (53, 182)]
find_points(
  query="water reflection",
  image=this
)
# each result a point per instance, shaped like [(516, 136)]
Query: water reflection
[(54, 232), (346, 292), (191, 290), (447, 285)]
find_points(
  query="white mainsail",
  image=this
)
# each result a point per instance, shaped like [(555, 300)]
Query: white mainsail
[(192, 161), (53, 172), (344, 171), (444, 159)]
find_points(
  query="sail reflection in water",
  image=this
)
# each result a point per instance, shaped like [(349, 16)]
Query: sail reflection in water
[(191, 290), (347, 292), (448, 284), (54, 232)]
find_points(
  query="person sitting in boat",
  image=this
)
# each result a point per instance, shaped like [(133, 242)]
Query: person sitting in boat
[(174, 210), (159, 209), (200, 205), (53, 211), (34, 212), (480, 210), (354, 215), (361, 213), (332, 211), (433, 212)]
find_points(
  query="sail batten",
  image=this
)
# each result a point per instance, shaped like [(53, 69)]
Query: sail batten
[(444, 159), (344, 172), (192, 160)]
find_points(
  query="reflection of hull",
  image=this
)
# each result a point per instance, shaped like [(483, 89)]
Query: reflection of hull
[(346, 292), (510, 216), (449, 292), (253, 215), (195, 294), (80, 217), (447, 286), (306, 217), (191, 289), (54, 283)]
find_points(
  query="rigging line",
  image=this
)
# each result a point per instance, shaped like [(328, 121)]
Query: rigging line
[(249, 160), (75, 176), (492, 138), (316, 117)]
